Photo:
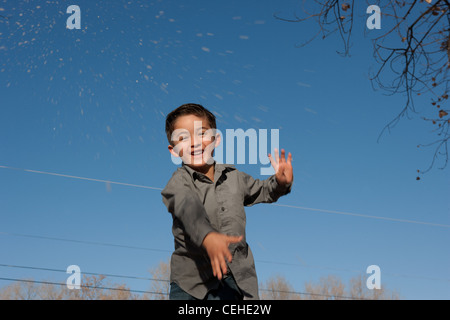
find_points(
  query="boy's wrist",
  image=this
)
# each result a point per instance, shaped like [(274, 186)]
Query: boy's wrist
[(283, 184), (282, 189), (202, 232), (205, 240)]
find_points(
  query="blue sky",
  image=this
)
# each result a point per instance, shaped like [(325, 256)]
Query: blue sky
[(92, 103)]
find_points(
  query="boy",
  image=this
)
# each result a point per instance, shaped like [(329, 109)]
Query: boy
[(212, 259)]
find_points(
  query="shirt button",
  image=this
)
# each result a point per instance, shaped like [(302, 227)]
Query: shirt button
[(223, 208)]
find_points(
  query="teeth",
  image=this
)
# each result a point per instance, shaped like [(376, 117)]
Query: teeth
[(197, 153)]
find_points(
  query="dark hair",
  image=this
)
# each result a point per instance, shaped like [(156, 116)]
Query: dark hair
[(188, 109)]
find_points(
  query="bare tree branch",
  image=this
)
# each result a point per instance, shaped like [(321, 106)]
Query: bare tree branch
[(415, 62)]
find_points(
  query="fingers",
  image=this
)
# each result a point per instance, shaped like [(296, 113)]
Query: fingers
[(289, 160), (275, 162), (223, 268), (219, 265), (272, 162), (215, 267), (283, 156), (219, 261), (230, 240), (277, 158)]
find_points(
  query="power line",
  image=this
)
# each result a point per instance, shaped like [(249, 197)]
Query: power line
[(115, 245), (165, 293), (302, 264), (81, 178), (363, 215), (275, 204), (162, 250), (83, 242), (84, 272), (82, 286), (169, 251)]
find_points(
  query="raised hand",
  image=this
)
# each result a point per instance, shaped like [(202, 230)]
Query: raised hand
[(283, 168)]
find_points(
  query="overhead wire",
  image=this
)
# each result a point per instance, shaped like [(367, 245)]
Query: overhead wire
[(162, 250), (302, 264), (97, 243), (84, 272), (274, 204), (81, 286), (166, 293), (138, 278)]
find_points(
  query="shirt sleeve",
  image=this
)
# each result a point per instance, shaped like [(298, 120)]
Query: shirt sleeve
[(266, 191), (186, 206)]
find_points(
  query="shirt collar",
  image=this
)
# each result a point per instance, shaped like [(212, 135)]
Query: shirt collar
[(218, 169)]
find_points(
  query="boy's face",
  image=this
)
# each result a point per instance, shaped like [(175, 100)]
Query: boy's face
[(194, 141)]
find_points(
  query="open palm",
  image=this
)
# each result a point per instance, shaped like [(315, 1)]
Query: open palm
[(283, 168)]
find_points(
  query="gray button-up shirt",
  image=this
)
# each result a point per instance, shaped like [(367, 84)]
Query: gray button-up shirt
[(200, 206)]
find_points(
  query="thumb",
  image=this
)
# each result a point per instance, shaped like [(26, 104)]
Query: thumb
[(234, 239)]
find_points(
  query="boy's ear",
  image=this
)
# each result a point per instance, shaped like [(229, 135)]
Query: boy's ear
[(217, 140), (173, 150)]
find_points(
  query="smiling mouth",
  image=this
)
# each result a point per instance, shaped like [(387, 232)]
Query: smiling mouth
[(197, 153)]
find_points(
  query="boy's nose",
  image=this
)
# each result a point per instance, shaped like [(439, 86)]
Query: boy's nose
[(197, 141)]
